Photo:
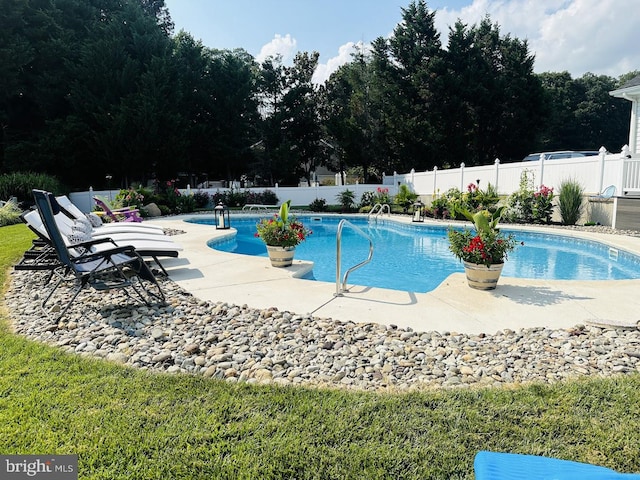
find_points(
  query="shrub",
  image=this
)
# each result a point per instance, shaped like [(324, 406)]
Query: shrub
[(346, 199), (201, 199), (185, 204), (9, 214), (520, 203), (381, 196), (542, 207), (366, 200), (130, 198), (269, 198), (486, 199), (447, 204), (439, 206), (164, 209), (405, 198), (166, 193), (570, 202), (318, 205), (20, 185)]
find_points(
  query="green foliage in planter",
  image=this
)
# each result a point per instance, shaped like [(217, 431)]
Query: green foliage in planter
[(570, 202)]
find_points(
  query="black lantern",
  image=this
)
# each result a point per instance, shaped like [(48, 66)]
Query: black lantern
[(418, 212), (221, 217)]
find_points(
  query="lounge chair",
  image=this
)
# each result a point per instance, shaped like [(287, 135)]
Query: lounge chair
[(41, 256), (511, 466), (70, 227), (73, 212), (115, 214), (113, 268), (152, 246)]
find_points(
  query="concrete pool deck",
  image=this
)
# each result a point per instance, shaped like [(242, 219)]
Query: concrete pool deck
[(453, 306)]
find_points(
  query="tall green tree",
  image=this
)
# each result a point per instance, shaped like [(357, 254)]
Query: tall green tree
[(493, 99), (353, 116), (92, 83), (290, 119), (234, 112), (409, 64), (580, 113), (602, 119)]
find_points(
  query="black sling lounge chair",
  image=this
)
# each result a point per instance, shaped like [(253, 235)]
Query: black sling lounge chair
[(119, 267)]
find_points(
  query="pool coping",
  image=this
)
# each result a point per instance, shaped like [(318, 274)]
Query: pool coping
[(452, 307)]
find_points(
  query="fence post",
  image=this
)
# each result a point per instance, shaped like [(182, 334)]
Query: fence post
[(462, 177), (435, 182), (627, 170), (413, 173), (497, 164), (603, 153), (543, 157)]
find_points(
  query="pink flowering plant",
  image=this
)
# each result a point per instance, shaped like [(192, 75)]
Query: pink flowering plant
[(542, 207), (282, 229), (130, 198), (486, 245)]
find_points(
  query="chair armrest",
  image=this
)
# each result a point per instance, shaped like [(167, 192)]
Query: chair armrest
[(124, 210), (128, 249)]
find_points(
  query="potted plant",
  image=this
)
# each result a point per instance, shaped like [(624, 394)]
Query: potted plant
[(281, 233), (482, 251)]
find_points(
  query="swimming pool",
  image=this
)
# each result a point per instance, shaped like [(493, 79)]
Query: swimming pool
[(416, 258)]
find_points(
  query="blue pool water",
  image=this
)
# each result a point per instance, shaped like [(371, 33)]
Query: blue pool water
[(416, 258)]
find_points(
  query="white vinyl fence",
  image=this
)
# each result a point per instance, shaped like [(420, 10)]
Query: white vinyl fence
[(297, 195), (594, 174)]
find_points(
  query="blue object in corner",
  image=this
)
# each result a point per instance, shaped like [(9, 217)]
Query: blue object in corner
[(513, 466)]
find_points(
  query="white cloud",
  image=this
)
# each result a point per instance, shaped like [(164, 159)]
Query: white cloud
[(579, 36), (280, 45), (345, 55)]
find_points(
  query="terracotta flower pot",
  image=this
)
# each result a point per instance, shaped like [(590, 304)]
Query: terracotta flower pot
[(281, 256), (482, 277)]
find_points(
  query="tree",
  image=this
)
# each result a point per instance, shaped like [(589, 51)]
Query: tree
[(234, 111), (493, 99), (603, 119), (352, 113), (580, 113), (409, 65), (91, 88), (290, 121)]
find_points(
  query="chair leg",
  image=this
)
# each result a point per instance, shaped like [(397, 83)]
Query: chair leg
[(145, 293), (75, 295), (81, 284)]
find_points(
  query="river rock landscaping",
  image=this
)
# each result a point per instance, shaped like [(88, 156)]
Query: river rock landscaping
[(241, 344)]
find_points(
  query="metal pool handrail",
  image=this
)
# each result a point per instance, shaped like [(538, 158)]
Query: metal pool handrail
[(379, 209), (339, 256)]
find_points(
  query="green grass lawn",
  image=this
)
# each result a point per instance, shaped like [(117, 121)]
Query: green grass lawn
[(128, 424)]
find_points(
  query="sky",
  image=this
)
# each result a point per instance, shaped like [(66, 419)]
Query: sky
[(578, 36)]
